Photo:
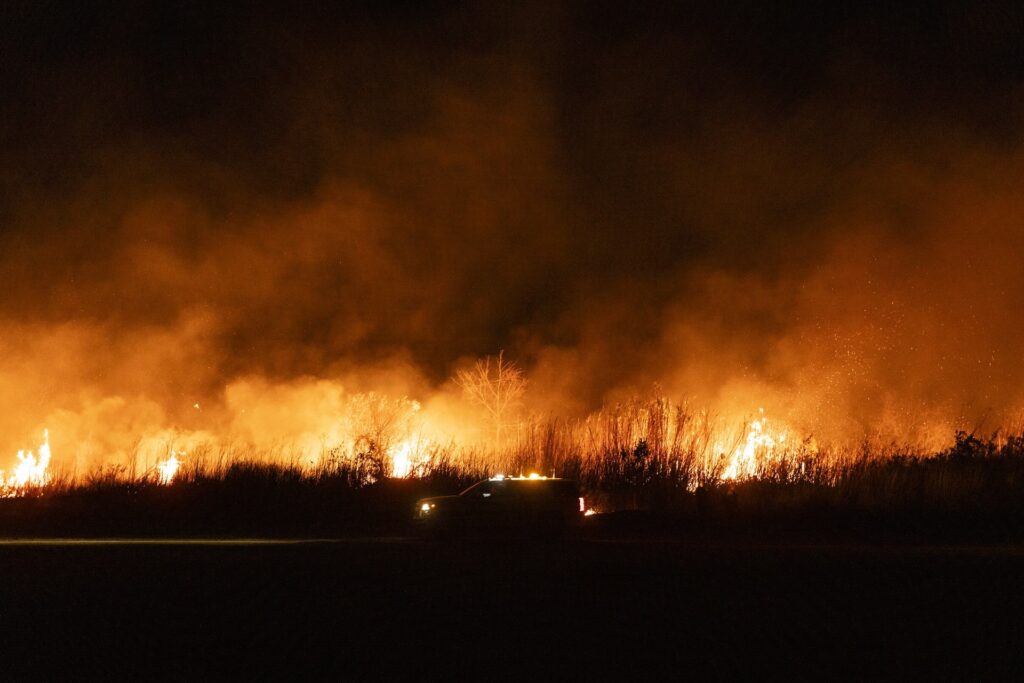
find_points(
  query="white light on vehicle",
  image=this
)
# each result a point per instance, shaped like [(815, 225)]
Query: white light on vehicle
[(534, 475), (583, 507), (426, 507), (498, 477)]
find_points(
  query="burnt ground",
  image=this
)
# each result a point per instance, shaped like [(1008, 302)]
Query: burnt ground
[(615, 610)]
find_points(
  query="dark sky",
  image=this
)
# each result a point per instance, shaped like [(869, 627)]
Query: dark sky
[(815, 206)]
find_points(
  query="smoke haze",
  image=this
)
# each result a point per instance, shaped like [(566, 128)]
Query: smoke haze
[(235, 221)]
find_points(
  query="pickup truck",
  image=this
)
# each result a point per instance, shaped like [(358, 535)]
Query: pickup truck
[(498, 505)]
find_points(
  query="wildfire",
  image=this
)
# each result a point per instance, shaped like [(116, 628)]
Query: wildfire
[(759, 445), (30, 471), (167, 469), (406, 455)]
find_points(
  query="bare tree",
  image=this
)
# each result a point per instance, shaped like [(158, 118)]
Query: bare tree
[(497, 386), (376, 424)]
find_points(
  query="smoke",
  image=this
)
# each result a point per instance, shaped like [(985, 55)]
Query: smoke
[(216, 224)]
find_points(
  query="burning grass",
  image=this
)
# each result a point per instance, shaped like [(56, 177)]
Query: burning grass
[(652, 458)]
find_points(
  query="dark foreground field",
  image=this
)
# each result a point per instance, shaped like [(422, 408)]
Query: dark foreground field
[(606, 609)]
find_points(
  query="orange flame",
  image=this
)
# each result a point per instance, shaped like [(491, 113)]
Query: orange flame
[(31, 471), (758, 446), (167, 469), (407, 455)]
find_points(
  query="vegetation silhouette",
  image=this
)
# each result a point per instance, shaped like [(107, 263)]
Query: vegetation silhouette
[(641, 482)]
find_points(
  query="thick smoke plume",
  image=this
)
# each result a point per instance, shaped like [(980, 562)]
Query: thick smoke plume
[(241, 224)]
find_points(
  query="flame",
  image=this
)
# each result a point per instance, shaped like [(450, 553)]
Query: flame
[(406, 455), (167, 469), (758, 446), (30, 471)]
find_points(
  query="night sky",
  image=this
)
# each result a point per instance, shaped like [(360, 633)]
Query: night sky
[(812, 209)]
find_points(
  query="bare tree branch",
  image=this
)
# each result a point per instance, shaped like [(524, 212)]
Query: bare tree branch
[(497, 386)]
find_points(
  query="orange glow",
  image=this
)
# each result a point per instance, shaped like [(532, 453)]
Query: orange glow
[(167, 469), (631, 435), (407, 455), (31, 471), (758, 446)]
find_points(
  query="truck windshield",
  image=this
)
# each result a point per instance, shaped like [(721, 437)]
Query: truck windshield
[(487, 487)]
